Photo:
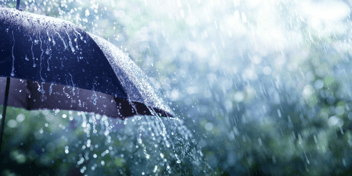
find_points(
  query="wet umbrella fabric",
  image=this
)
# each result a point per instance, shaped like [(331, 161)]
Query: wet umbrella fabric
[(28, 95), (60, 66)]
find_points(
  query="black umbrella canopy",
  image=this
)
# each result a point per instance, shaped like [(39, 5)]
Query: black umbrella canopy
[(56, 65)]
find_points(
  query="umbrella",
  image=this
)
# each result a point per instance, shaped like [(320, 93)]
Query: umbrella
[(54, 64)]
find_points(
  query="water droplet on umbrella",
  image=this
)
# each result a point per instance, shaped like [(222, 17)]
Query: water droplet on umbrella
[(70, 43), (48, 51), (42, 88), (61, 40), (95, 98), (13, 56)]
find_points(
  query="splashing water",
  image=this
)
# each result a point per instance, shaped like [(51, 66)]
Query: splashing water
[(144, 138), (148, 144)]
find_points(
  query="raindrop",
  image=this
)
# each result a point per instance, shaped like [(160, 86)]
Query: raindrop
[(56, 111), (267, 70), (83, 169), (80, 161), (105, 153), (48, 51), (319, 84), (87, 13), (12, 123), (20, 118), (66, 149), (335, 121), (279, 113), (208, 126), (88, 143), (239, 96)]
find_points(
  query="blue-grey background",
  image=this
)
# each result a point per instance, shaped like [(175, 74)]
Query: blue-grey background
[(259, 88)]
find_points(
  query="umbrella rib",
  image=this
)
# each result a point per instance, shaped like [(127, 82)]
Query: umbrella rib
[(4, 110)]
